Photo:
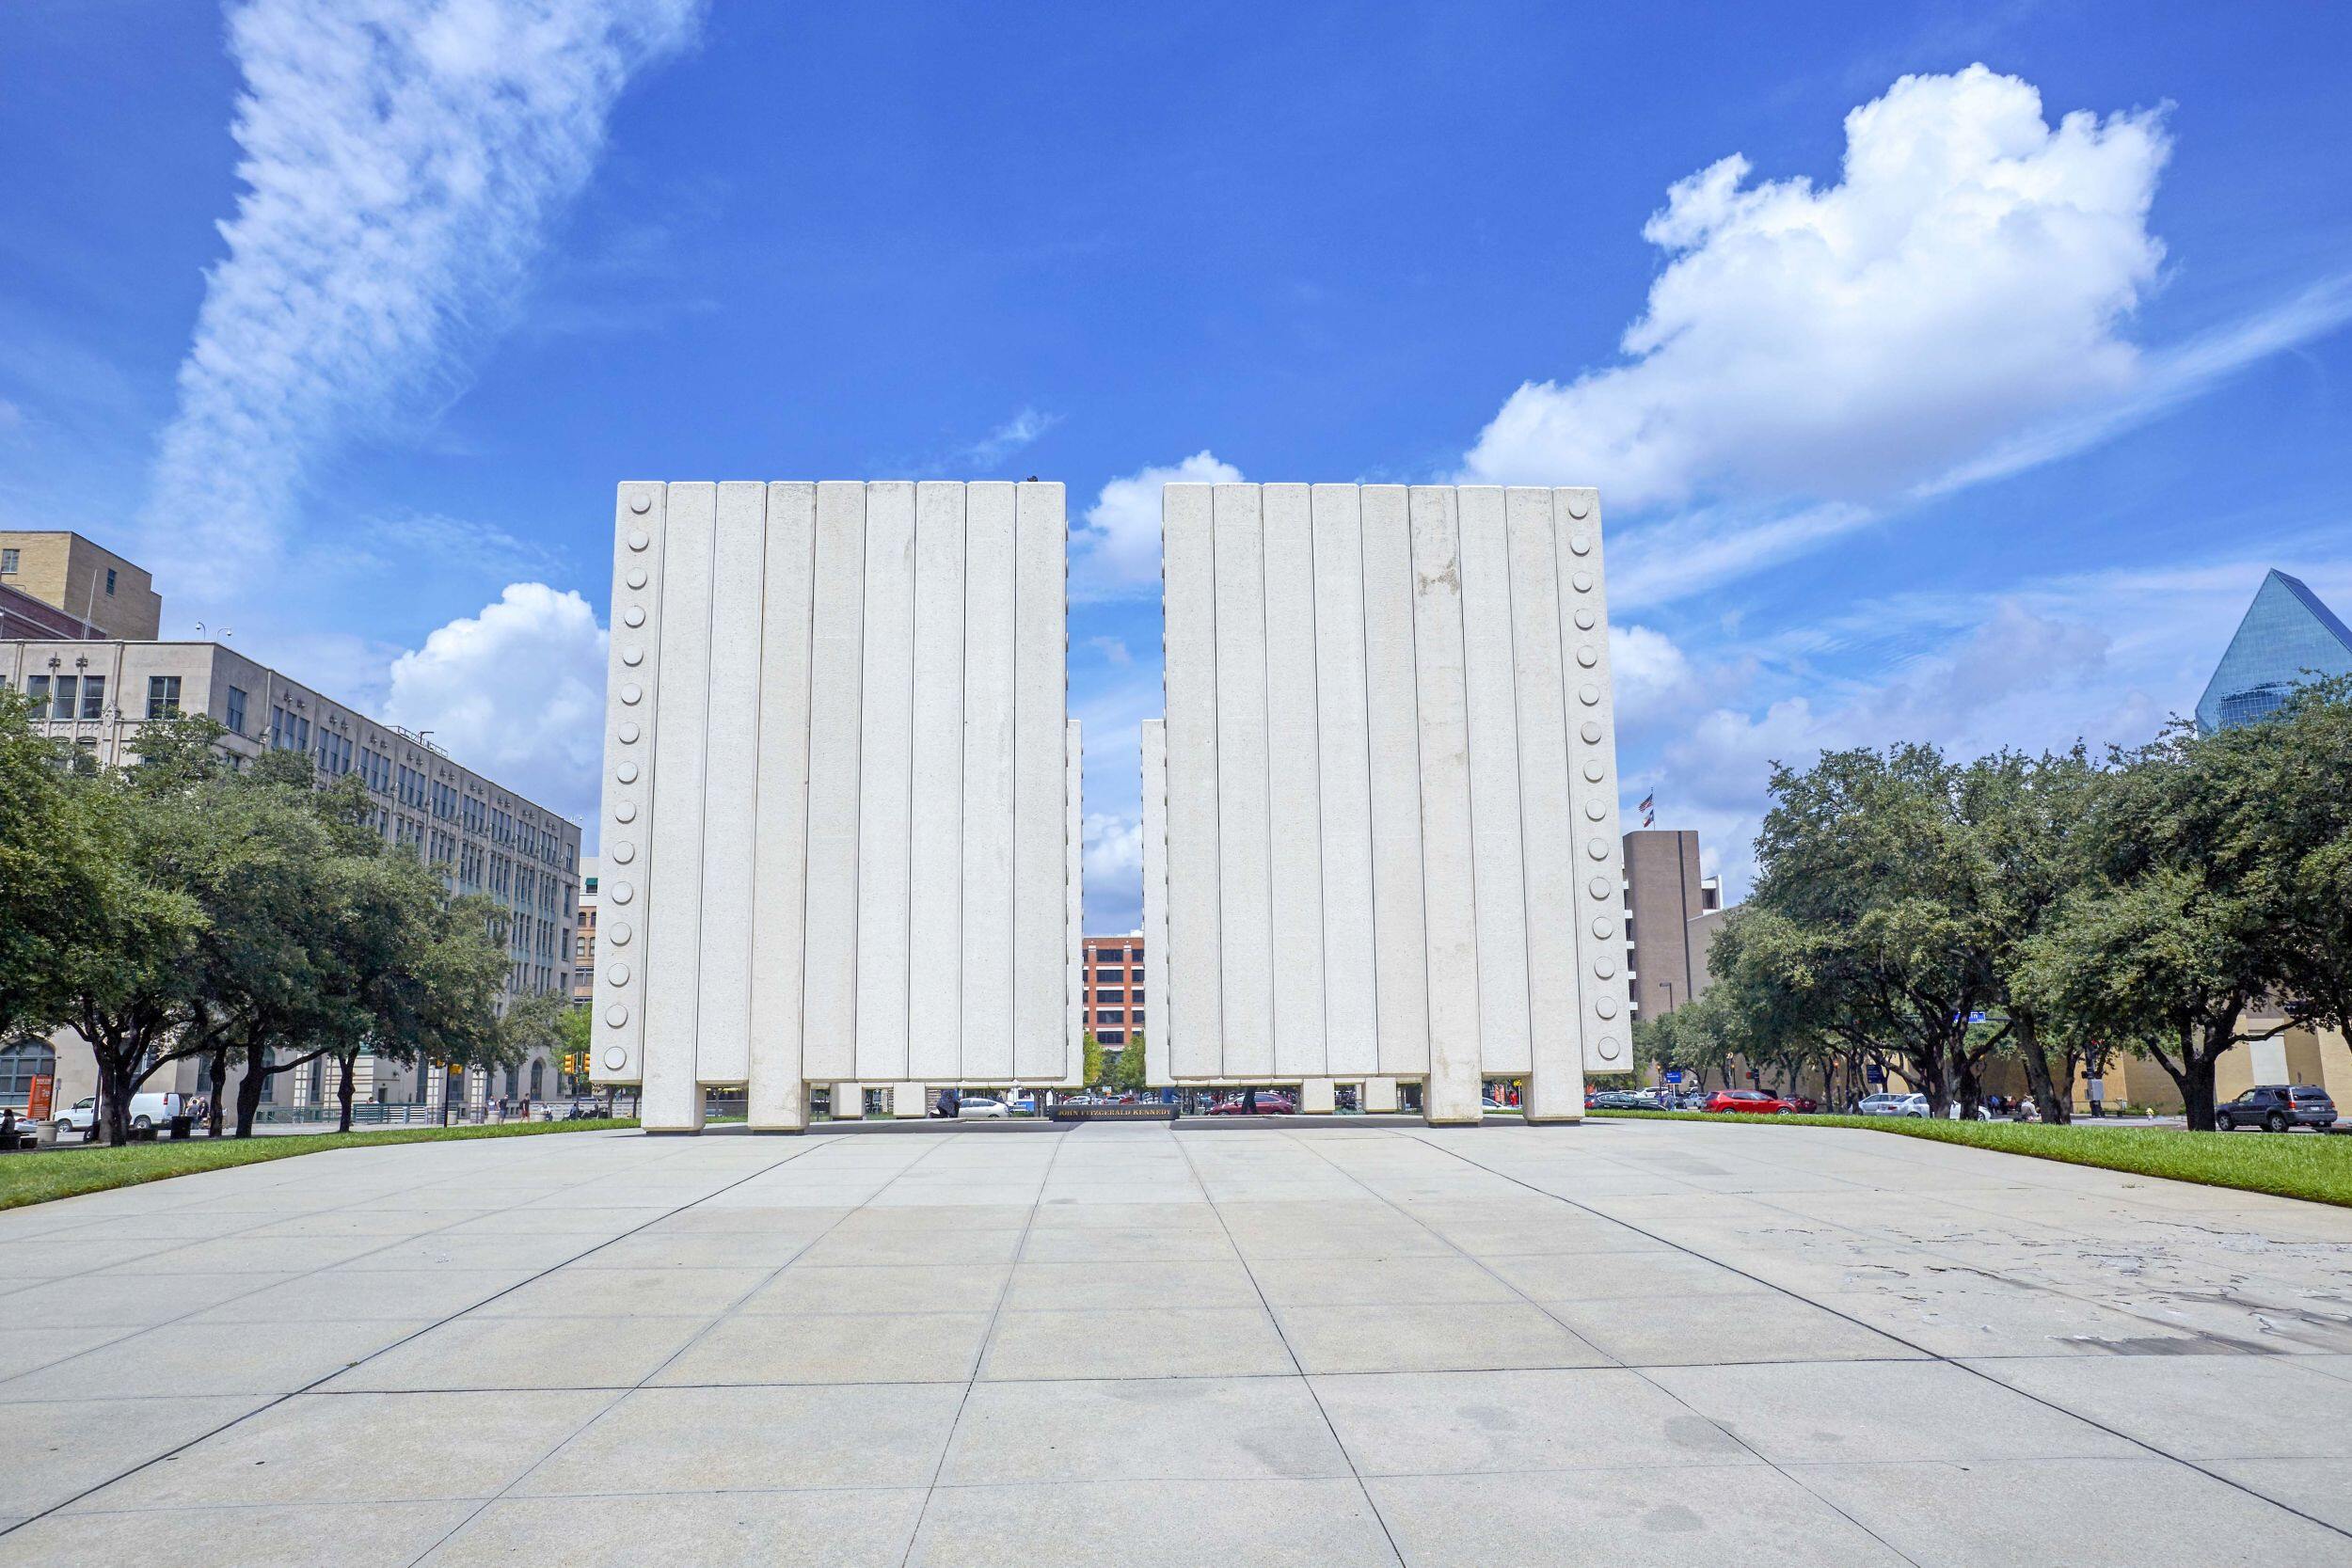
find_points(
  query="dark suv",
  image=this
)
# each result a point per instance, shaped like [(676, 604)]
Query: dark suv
[(2277, 1107)]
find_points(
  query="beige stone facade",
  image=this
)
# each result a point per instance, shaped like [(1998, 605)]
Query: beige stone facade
[(83, 579)]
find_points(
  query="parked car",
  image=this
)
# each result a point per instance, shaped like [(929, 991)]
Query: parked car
[(1622, 1099), (979, 1107), (1891, 1105), (1750, 1102), (1270, 1103), (2278, 1108), (147, 1111)]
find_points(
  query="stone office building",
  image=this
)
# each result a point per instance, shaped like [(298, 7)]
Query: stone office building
[(97, 696)]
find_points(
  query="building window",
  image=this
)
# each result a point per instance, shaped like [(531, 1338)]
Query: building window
[(24, 1061), (8, 560), (93, 696), (36, 692), (63, 706), (236, 708), (162, 696), (110, 582)]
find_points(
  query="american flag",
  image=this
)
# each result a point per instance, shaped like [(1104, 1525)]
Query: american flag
[(1649, 809)]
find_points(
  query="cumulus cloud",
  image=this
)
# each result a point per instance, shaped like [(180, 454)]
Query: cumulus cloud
[(1969, 274), (1116, 548), (401, 160), (516, 692)]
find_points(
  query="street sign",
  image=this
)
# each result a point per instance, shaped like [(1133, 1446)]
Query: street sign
[(1874, 1072), (40, 1098), (1674, 1075)]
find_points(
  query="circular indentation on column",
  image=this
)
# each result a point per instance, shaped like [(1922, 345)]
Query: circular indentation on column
[(1596, 810), (1588, 696), (623, 893), (1585, 619), (633, 616), (1579, 505), (619, 934), (615, 1059), (617, 973), (1597, 848), (616, 1015), (628, 734), (1609, 1049), (1605, 1007), (1588, 656), (632, 656), (1599, 887), (1593, 772), (1590, 731), (632, 694), (624, 853), (1584, 581), (639, 539), (1604, 927), (626, 773), (637, 577), (1581, 544), (1604, 970), (642, 503), (625, 811)]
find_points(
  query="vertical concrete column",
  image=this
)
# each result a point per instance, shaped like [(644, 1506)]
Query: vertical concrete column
[(1155, 1068), (1399, 972), (910, 1100), (1318, 1097), (836, 671), (1555, 1089), (1073, 913), (673, 1097), (849, 1101), (1294, 797), (1380, 1096), (1607, 1029), (1344, 781), (1191, 1007), (1498, 870), (1447, 850), (639, 516), (1243, 837), (1040, 763), (885, 781), (987, 803), (723, 1034), (777, 1097), (936, 910)]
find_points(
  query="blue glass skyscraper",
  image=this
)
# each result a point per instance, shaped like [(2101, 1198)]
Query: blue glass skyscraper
[(2288, 637)]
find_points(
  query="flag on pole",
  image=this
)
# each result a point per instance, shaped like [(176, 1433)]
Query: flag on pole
[(1648, 808)]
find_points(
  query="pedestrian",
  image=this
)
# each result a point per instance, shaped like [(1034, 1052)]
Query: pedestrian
[(1249, 1102), (7, 1130)]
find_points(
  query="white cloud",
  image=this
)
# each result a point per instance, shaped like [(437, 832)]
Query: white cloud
[(1022, 430), (402, 159), (1116, 550), (1969, 274), (516, 694), (1647, 669)]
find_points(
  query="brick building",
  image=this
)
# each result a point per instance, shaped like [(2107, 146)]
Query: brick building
[(1114, 988)]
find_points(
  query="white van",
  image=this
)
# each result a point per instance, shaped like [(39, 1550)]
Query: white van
[(147, 1110)]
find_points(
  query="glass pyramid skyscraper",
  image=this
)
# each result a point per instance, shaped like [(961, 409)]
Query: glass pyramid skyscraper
[(2288, 637)]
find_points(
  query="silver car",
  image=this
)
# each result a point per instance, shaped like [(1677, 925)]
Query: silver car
[(1892, 1105)]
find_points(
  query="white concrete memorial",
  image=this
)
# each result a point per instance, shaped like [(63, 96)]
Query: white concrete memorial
[(841, 813), (1380, 819)]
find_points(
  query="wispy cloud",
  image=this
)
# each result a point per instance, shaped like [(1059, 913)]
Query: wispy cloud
[(402, 161), (1021, 431)]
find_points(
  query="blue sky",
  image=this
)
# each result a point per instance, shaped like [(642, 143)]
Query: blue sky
[(1970, 405)]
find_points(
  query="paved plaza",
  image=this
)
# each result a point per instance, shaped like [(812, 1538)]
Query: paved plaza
[(1623, 1343)]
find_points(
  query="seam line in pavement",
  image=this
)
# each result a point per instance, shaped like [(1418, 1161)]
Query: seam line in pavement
[(1935, 1355), (272, 1403), (1299, 1367)]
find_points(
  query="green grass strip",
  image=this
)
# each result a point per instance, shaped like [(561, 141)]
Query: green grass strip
[(2318, 1169), (39, 1177)]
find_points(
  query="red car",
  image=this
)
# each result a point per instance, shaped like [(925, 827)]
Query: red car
[(1753, 1101), (1269, 1104)]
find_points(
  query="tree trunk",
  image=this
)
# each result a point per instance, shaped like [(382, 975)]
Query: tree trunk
[(249, 1089), (2054, 1108), (114, 1095), (343, 1092), (220, 1089)]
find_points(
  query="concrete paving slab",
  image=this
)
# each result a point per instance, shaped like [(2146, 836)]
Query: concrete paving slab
[(57, 1449), (1177, 1341), (880, 1287), (524, 1353), (1685, 1330), (776, 1529), (1466, 1423), (1469, 1336), (381, 1535), (775, 1439), (1141, 1430), (1266, 1524), (208, 1358), (1095, 1286), (2198, 1407), (864, 1347)]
